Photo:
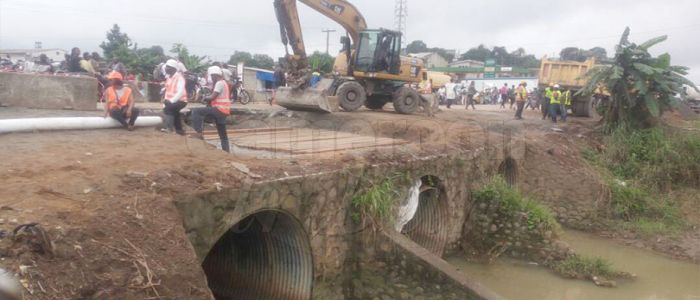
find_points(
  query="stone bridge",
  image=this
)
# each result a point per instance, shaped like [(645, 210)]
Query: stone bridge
[(295, 238)]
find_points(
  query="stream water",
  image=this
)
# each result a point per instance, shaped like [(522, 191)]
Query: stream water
[(658, 277)]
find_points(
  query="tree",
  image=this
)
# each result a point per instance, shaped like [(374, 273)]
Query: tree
[(193, 63), (240, 57), (262, 61), (517, 58), (146, 60), (599, 53), (641, 86), (573, 53), (416, 47), (117, 43), (322, 62), (480, 53)]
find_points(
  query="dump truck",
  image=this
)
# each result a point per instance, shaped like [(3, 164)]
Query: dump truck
[(569, 75), (369, 70)]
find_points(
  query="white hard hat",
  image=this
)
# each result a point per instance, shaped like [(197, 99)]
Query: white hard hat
[(214, 70), (556, 86), (171, 63)]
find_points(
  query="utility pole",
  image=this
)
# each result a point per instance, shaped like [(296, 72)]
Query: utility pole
[(400, 16), (328, 39)]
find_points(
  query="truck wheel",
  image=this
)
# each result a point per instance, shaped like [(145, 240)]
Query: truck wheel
[(376, 102), (351, 96), (406, 100)]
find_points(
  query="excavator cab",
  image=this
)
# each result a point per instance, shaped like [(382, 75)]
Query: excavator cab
[(378, 52)]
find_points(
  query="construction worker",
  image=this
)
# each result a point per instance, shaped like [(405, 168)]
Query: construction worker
[(119, 102), (545, 102), (566, 103), (471, 92), (218, 107), (175, 98), (520, 98), (427, 97), (555, 103)]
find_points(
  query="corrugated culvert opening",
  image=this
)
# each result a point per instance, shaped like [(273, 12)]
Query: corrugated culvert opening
[(509, 170), (265, 256), (425, 222)]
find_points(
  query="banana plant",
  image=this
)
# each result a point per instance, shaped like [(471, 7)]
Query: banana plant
[(641, 86)]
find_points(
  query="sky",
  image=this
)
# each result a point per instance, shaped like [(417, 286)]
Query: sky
[(217, 28)]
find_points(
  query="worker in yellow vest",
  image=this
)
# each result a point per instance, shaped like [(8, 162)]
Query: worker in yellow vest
[(119, 102), (520, 98), (566, 103), (175, 98), (555, 103), (218, 108), (545, 101)]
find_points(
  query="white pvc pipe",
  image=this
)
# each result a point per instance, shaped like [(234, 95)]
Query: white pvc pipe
[(77, 123)]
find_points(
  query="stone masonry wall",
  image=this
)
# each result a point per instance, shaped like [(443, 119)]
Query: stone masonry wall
[(48, 91)]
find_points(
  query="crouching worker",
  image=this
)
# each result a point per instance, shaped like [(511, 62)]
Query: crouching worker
[(218, 108), (119, 102)]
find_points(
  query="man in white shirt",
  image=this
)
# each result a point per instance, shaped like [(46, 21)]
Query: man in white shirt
[(175, 98), (451, 92), (218, 107)]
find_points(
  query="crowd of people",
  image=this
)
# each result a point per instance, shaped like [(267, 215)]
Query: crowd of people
[(554, 102)]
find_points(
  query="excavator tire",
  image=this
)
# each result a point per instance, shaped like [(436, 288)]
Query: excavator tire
[(376, 102), (351, 96), (406, 100)]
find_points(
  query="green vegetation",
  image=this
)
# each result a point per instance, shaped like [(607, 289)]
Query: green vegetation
[(581, 267), (641, 86), (376, 202), (512, 203), (643, 165)]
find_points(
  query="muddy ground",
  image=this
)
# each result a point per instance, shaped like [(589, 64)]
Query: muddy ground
[(104, 197)]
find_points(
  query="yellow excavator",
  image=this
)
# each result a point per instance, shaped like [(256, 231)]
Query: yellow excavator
[(369, 70)]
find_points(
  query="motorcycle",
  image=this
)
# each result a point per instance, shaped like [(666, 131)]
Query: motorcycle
[(238, 93)]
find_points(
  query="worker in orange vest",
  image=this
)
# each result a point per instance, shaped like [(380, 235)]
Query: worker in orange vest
[(119, 102), (218, 108), (175, 98)]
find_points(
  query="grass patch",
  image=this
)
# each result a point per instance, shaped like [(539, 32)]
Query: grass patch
[(582, 267), (512, 202), (376, 202), (644, 212), (660, 157)]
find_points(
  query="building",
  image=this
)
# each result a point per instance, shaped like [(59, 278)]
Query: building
[(15, 55), (258, 82), (431, 59), (467, 64)]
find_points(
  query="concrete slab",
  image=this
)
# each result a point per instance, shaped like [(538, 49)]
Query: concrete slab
[(48, 91)]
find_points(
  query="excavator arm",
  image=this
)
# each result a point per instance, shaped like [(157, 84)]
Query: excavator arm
[(340, 11)]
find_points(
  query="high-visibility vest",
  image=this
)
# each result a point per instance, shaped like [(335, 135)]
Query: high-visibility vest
[(223, 100), (567, 98), (117, 102), (171, 87), (522, 94), (555, 99), (548, 93)]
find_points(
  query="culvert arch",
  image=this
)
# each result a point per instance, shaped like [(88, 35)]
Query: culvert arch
[(509, 170), (267, 255), (426, 222)]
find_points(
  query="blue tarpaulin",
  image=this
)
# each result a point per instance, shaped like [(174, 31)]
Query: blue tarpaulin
[(265, 76)]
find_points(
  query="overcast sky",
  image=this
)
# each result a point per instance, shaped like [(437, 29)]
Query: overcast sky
[(219, 27)]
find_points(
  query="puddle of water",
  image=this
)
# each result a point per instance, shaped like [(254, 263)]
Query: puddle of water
[(659, 278)]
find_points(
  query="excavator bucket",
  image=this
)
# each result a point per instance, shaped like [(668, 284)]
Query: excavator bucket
[(310, 99)]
